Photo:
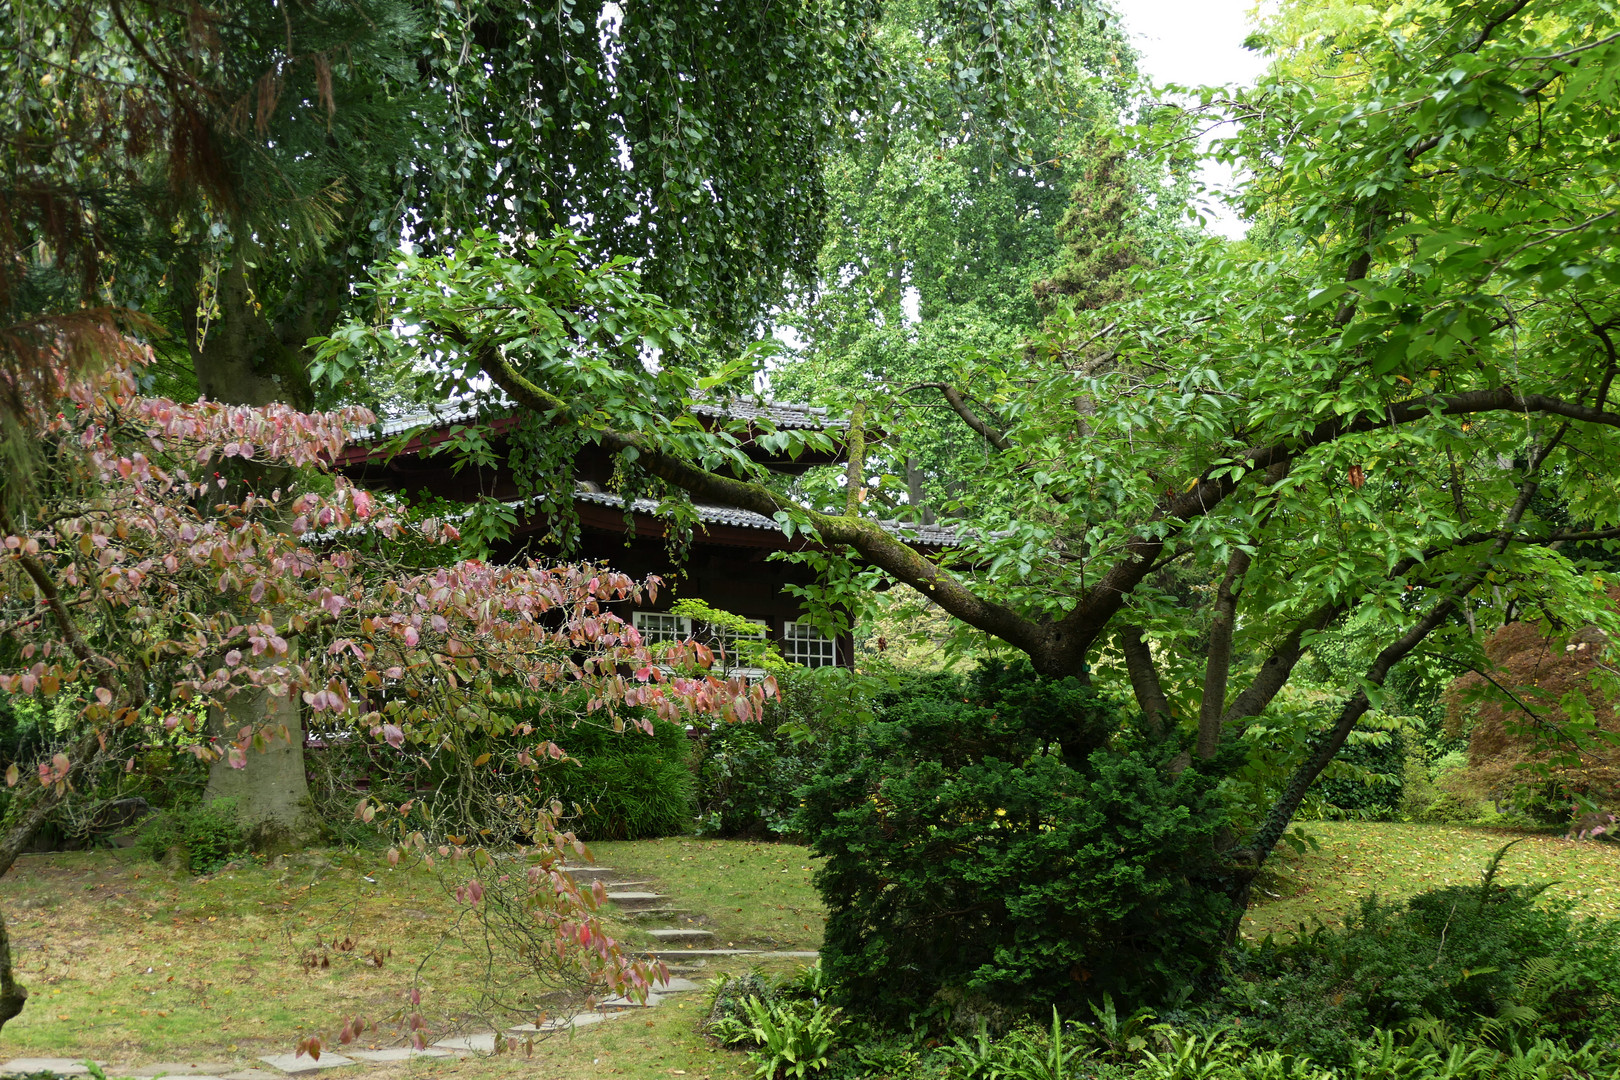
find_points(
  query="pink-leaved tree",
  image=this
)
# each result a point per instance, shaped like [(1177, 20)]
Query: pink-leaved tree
[(176, 566)]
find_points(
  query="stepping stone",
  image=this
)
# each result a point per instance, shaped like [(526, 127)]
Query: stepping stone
[(479, 1044), (59, 1066), (676, 985), (588, 873), (635, 901), (578, 1020), (398, 1053), (293, 1064), (624, 1001), (250, 1074), (680, 935), (178, 1068)]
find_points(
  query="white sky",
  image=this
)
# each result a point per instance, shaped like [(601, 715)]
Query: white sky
[(1196, 42)]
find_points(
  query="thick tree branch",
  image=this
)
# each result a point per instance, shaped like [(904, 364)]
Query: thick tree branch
[(13, 995), (1278, 667), (958, 403), (855, 472), (1057, 647), (870, 541), (1091, 616), (1326, 748), (1145, 679), (1218, 666)]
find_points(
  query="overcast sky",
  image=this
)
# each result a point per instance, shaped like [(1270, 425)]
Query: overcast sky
[(1195, 42)]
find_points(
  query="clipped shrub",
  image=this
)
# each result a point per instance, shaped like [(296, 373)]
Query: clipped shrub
[(965, 852), (1482, 958), (627, 785), (206, 835)]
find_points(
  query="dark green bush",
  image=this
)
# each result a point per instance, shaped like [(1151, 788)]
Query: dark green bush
[(207, 834), (1482, 958), (628, 785), (749, 775), (1375, 791), (966, 853)]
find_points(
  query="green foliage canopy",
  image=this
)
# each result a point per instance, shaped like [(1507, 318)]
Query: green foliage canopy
[(1347, 425)]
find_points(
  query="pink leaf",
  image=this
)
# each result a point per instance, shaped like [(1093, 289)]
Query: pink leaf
[(394, 735)]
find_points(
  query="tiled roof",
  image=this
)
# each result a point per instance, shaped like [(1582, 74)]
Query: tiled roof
[(454, 411), (461, 410), (710, 514), (780, 413)]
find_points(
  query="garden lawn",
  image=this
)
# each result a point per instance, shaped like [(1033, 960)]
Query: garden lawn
[(1399, 859), (752, 895), (128, 963)]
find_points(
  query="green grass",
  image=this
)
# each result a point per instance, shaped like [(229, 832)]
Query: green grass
[(1396, 860), (129, 964), (752, 895)]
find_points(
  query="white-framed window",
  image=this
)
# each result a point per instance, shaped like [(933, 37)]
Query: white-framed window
[(803, 644), (660, 627), (725, 642)]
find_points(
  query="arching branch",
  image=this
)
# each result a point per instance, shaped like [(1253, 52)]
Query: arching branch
[(958, 403), (869, 541)]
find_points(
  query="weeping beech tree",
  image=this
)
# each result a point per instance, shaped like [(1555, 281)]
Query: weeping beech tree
[(1356, 424)]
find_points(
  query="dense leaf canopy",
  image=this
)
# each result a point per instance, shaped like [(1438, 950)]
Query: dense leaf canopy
[(1348, 423)]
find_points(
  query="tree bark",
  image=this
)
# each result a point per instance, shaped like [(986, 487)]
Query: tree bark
[(245, 359), (242, 358), (1219, 665), (1144, 679), (13, 994), (914, 492), (271, 790)]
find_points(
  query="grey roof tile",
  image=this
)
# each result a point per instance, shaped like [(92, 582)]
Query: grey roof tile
[(711, 514), (782, 414)]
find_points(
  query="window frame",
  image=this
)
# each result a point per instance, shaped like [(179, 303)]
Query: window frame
[(826, 648), (683, 628)]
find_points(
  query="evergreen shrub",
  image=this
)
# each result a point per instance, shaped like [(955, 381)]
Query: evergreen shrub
[(208, 834), (1479, 959), (967, 857), (628, 785)]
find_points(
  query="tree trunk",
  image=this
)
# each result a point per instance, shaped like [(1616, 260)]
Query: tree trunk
[(13, 995), (245, 359), (271, 790), (242, 358)]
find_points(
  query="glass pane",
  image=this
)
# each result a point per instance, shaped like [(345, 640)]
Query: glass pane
[(804, 644), (659, 628)]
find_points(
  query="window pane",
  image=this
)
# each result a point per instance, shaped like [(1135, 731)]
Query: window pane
[(804, 644), (660, 628)]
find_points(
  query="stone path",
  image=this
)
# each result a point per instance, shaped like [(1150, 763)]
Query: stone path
[(680, 947)]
